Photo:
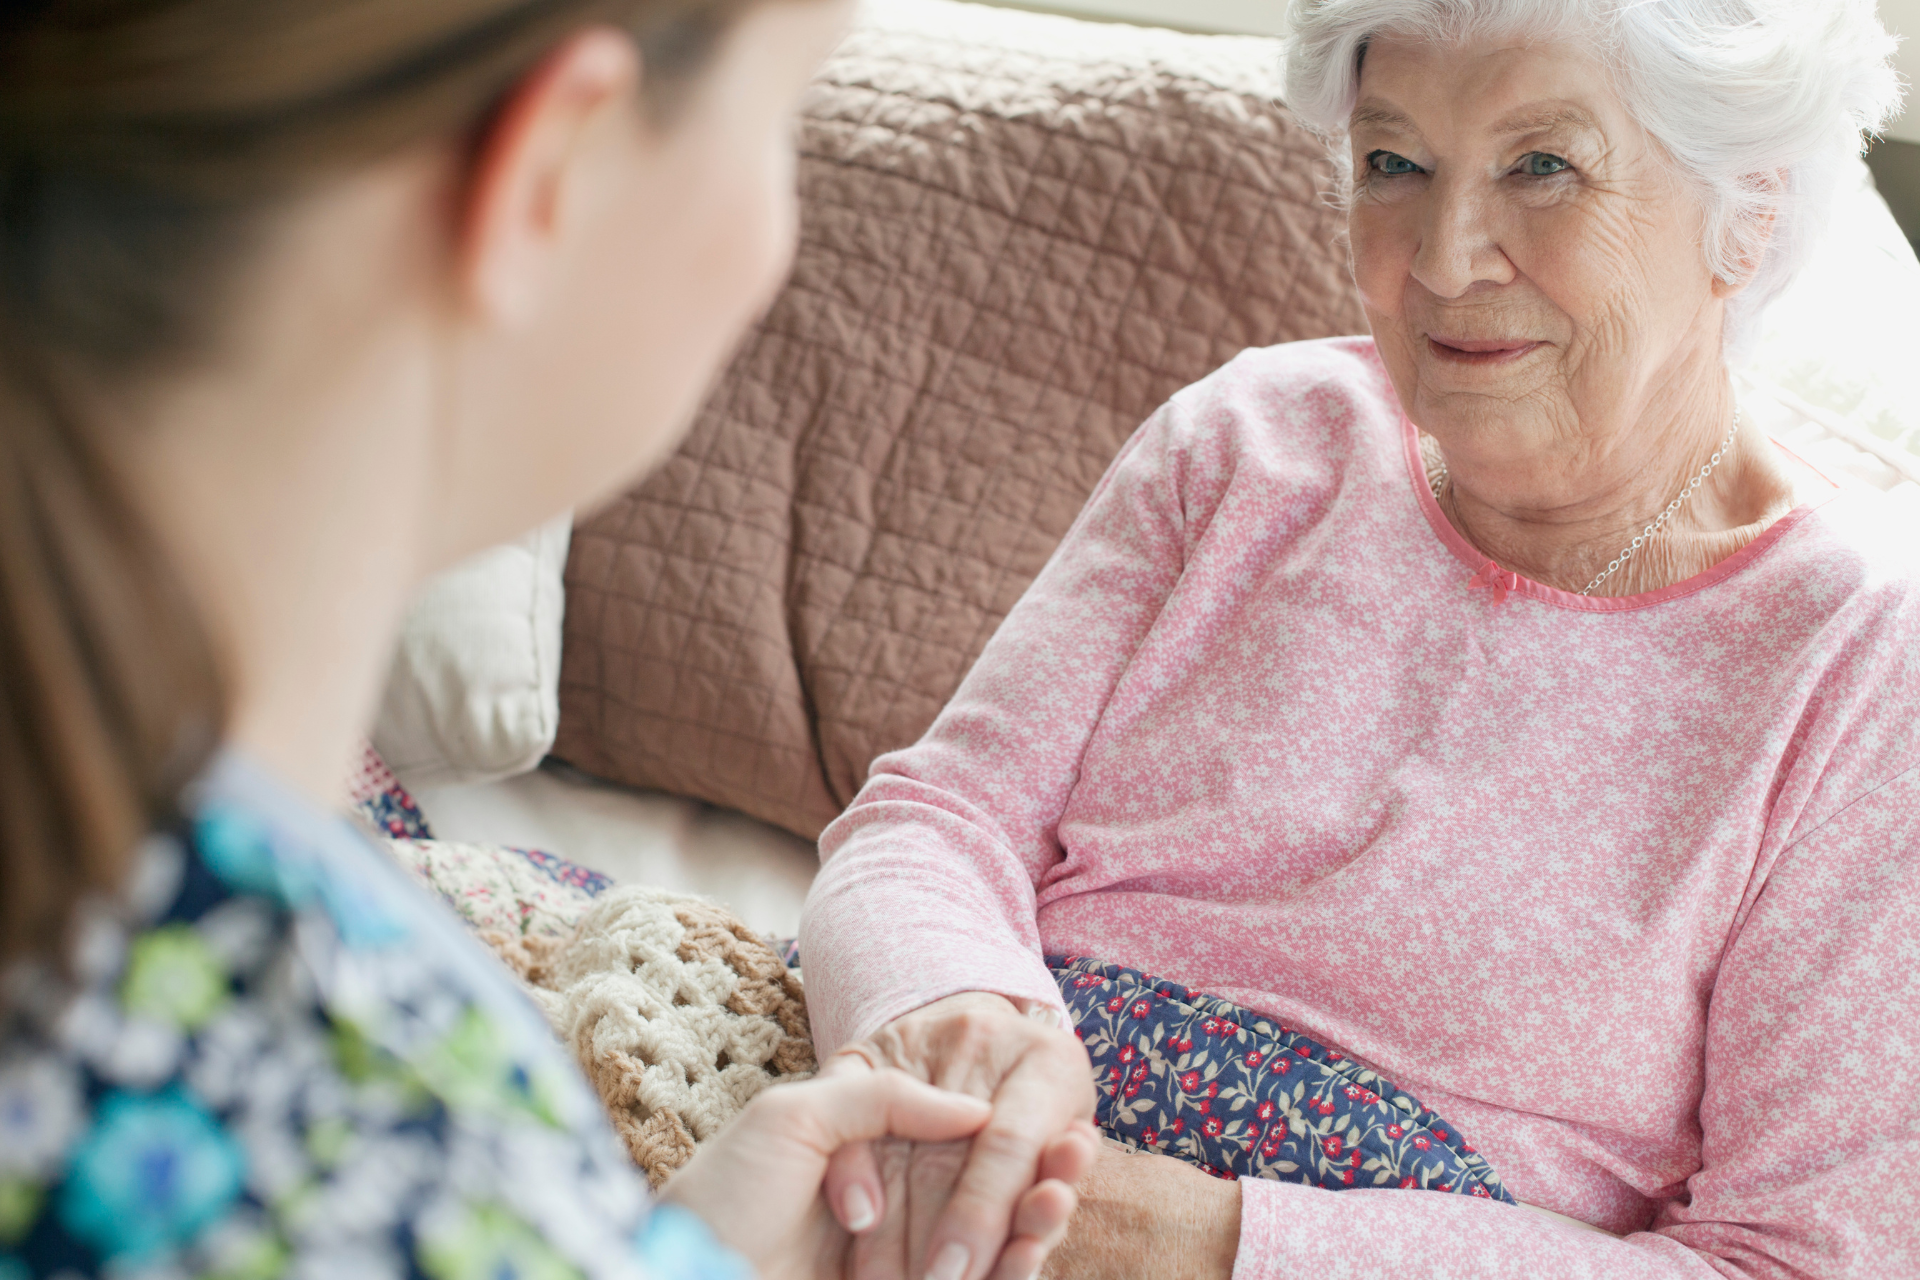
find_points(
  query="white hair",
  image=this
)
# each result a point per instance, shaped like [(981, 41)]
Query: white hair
[(1759, 103)]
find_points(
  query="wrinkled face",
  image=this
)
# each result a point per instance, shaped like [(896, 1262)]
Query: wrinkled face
[(1530, 263)]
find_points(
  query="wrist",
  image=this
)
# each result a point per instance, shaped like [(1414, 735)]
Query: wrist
[(1040, 1011), (1220, 1246), (1046, 1013)]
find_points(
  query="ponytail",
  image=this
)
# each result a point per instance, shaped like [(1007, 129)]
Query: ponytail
[(110, 698)]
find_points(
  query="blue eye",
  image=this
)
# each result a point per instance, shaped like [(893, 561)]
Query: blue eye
[(1539, 164), (1388, 163)]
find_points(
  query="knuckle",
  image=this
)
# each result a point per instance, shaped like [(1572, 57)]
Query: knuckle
[(1003, 1143)]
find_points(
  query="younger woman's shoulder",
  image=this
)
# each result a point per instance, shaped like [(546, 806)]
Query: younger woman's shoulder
[(273, 1020)]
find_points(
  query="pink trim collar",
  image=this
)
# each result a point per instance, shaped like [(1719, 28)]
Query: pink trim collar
[(1500, 583)]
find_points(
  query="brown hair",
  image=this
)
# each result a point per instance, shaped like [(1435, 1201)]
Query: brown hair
[(141, 141)]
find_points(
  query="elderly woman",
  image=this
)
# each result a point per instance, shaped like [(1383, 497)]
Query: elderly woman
[(1516, 746)]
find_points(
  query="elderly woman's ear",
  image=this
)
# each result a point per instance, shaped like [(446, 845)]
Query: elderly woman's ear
[(1752, 236)]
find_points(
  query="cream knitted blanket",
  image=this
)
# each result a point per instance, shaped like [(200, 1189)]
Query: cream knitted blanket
[(676, 1011)]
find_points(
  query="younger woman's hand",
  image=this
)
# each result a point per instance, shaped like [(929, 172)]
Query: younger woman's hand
[(757, 1185)]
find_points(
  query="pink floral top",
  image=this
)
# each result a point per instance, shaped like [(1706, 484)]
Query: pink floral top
[(1629, 888)]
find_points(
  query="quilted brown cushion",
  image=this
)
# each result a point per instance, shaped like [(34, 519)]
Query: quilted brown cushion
[(1020, 235)]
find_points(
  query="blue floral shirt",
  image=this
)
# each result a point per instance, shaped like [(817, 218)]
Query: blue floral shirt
[(280, 1057)]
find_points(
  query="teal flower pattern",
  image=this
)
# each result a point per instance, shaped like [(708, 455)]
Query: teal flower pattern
[(292, 1068), (149, 1176)]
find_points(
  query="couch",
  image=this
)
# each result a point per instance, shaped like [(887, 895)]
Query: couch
[(1020, 233)]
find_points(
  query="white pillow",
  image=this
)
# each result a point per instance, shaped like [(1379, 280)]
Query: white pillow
[(474, 694)]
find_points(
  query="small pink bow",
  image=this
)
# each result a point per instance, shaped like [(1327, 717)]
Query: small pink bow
[(1498, 580)]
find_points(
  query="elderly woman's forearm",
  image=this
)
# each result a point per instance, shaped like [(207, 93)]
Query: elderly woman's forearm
[(928, 884), (1288, 1230)]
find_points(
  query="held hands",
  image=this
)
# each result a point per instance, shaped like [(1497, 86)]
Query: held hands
[(757, 1185), (994, 1206)]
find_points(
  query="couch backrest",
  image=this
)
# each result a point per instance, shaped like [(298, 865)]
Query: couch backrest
[(1020, 235)]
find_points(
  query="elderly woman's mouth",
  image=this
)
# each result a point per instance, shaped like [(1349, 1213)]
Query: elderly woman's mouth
[(1482, 351)]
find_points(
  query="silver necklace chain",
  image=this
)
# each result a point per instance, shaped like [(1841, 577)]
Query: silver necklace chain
[(1647, 535)]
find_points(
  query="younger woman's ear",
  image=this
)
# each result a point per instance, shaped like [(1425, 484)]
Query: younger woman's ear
[(533, 164), (1755, 234)]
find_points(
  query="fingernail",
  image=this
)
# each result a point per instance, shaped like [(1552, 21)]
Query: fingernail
[(951, 1263), (856, 1206)]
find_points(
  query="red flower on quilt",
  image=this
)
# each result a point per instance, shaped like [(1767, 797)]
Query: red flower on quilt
[(1150, 1137), (1482, 1192), (1211, 1026), (1213, 1088), (1440, 1134), (1324, 1108), (1347, 1177), (1140, 1008), (1353, 1091), (1420, 1142), (1190, 1081), (1203, 1106), (1335, 1145), (1180, 1126), (1467, 1150), (1304, 1052), (1265, 1110), (1395, 1131), (1126, 1053), (1140, 1071), (1282, 1066), (1116, 1004), (1212, 1127), (1255, 1057), (1133, 1090), (1406, 1184), (1445, 1186), (1334, 1055)]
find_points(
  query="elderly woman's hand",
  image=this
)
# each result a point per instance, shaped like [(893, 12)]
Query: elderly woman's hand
[(1149, 1217), (1040, 1135)]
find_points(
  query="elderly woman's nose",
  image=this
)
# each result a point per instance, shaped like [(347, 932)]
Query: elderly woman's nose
[(1458, 246)]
